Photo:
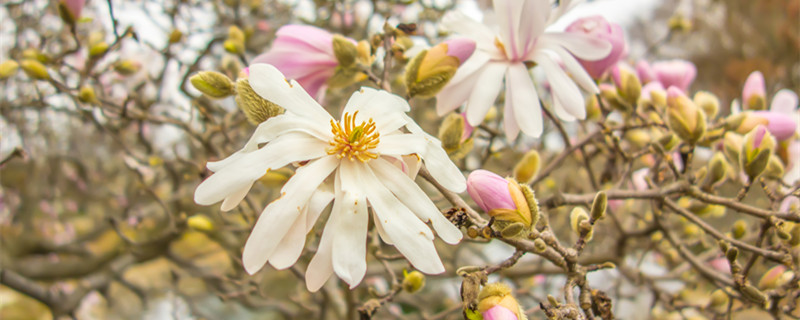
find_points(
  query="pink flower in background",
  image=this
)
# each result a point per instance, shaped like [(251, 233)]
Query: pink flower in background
[(780, 125), (754, 91), (499, 313), (597, 26), (678, 73), (74, 7), (305, 54), (502, 54), (645, 72)]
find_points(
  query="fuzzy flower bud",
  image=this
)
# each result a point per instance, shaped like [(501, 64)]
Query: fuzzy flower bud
[(127, 67), (576, 217), (255, 108), (8, 68), (498, 295), (235, 41), (200, 222), (732, 145), (413, 281), (501, 198), (685, 119), (754, 92), (708, 102), (717, 170), (34, 69), (739, 229), (451, 132), (213, 84), (430, 70), (526, 169), (598, 27), (678, 73), (628, 85), (499, 313), (98, 49), (599, 205), (87, 95), (756, 151), (70, 10)]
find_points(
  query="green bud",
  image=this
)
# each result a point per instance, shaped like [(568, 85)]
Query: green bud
[(668, 141), (774, 169), (413, 281), (599, 205), (684, 118), (512, 230), (87, 95), (175, 36), (719, 299), (659, 98), (429, 71), (127, 67), (451, 132), (526, 169), (717, 170), (577, 215), (732, 145), (34, 69), (734, 121), (8, 68), (756, 151), (98, 49), (344, 50), (533, 204), (255, 108), (708, 102), (754, 295), (732, 254), (233, 46), (630, 87), (539, 245), (234, 33), (552, 300), (200, 222), (213, 84), (739, 229)]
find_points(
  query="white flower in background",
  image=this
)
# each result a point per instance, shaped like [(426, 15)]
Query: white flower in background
[(363, 160), (504, 52)]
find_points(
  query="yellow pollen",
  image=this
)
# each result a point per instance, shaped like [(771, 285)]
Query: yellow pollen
[(499, 45), (354, 142)]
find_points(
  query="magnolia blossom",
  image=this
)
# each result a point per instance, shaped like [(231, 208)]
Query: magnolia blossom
[(520, 39), (305, 54), (678, 73), (754, 91), (599, 27), (360, 161)]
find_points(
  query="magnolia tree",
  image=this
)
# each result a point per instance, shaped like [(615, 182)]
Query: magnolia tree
[(391, 159)]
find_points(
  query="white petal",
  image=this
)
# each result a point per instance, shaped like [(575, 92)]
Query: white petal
[(291, 246), (318, 202), (438, 162), (320, 268), (563, 87), (235, 198), (248, 167), (385, 237), (534, 17), (459, 23), (560, 112), (785, 101), (576, 70), (384, 108), (272, 224), (410, 236), (272, 85), (483, 95), (510, 119), (524, 100), (581, 45), (350, 239), (415, 199), (401, 144), (508, 15), (458, 89), (413, 164)]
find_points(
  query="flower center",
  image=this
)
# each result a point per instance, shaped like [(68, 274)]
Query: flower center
[(354, 142)]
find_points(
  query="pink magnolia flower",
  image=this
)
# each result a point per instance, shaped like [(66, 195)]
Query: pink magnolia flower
[(778, 124), (499, 313), (678, 73), (503, 54), (754, 91), (645, 72), (305, 54), (597, 26), (489, 190)]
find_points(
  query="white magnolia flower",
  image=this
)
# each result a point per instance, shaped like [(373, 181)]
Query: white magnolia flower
[(503, 52), (358, 162)]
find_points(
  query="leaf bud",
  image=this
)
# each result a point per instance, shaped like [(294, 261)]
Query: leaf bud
[(213, 84), (175, 36), (732, 145), (739, 229), (451, 132), (34, 69), (684, 118), (127, 67), (732, 254), (754, 295), (200, 222), (708, 102), (526, 169), (539, 245), (8, 68), (87, 95), (599, 205), (98, 49), (512, 230), (577, 215), (255, 108), (413, 281), (717, 170)]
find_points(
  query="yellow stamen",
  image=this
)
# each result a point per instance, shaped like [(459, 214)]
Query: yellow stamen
[(499, 45), (354, 142)]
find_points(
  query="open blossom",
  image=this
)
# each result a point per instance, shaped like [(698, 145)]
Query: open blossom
[(305, 54), (521, 39), (611, 32), (357, 162)]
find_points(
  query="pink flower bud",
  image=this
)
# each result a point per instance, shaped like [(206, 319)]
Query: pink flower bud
[(650, 87), (461, 48), (678, 73), (760, 131), (598, 27), (468, 128), (74, 7), (489, 191), (779, 125), (785, 101), (754, 92), (645, 72), (499, 313)]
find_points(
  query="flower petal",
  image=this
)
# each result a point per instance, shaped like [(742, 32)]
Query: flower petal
[(455, 93), (576, 70), (563, 87), (458, 22), (483, 96), (320, 268), (508, 17), (318, 202), (291, 246), (438, 162), (524, 100), (410, 236), (233, 200), (533, 23), (349, 241), (401, 144), (415, 199), (582, 46), (272, 224), (270, 84), (785, 101)]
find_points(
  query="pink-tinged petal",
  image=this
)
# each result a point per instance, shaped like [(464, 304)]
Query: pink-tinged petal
[(459, 23), (790, 204), (531, 26), (645, 72), (650, 87), (580, 45), (484, 95), (461, 48), (597, 26), (508, 16), (679, 73), (720, 264), (778, 124), (468, 128), (319, 38), (74, 7), (489, 190), (753, 86), (761, 131), (524, 100), (638, 179), (785, 101), (499, 313)]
